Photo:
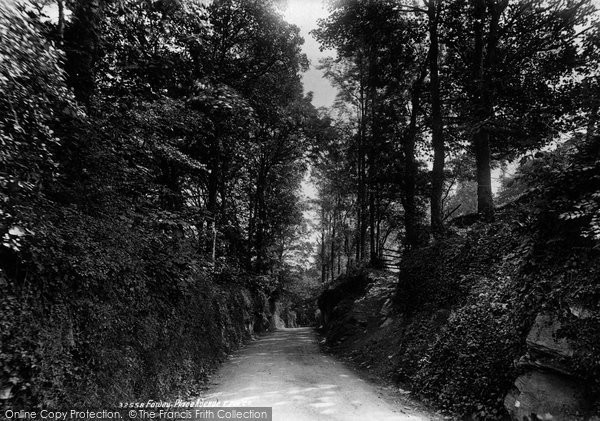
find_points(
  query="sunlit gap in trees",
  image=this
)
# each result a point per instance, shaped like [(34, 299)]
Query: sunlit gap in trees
[(305, 14), (310, 214)]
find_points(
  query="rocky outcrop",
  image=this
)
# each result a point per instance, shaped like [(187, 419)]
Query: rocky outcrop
[(548, 390), (344, 290), (546, 396), (544, 337), (305, 312), (356, 303), (261, 320), (290, 319), (282, 313)]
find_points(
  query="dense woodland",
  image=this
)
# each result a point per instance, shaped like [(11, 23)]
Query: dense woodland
[(469, 130), (152, 154), (436, 96), (151, 151)]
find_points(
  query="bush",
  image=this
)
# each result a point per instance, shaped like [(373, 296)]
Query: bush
[(492, 279), (105, 307), (535, 258)]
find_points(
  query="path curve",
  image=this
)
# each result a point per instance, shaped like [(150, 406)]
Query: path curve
[(287, 371)]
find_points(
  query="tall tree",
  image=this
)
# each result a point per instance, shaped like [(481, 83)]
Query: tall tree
[(82, 45), (509, 58), (375, 74), (437, 136)]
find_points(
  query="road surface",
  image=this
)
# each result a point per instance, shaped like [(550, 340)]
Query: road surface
[(287, 371)]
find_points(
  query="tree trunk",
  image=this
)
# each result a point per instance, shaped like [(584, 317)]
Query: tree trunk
[(362, 234), (171, 196), (260, 217), (592, 103), (362, 174), (378, 224), (61, 22), (409, 179), (347, 252), (323, 257), (437, 139), (483, 99), (372, 210), (485, 201), (485, 205), (213, 190), (82, 41), (333, 222), (372, 157), (372, 205)]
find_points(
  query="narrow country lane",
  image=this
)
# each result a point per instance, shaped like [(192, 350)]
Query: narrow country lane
[(287, 371)]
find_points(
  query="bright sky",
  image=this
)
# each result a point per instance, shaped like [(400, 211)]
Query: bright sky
[(304, 14)]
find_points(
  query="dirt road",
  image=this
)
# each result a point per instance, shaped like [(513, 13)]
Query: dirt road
[(287, 370)]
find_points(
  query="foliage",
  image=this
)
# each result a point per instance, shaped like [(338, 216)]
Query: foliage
[(495, 281), (466, 304), (149, 158), (34, 98), (512, 77), (463, 200), (376, 131)]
